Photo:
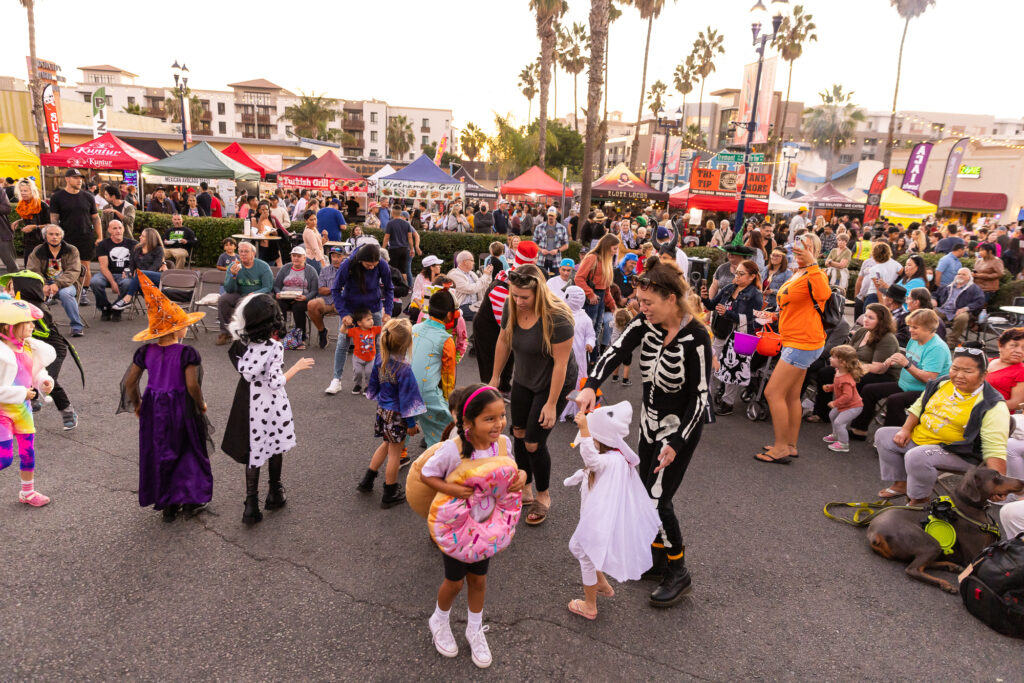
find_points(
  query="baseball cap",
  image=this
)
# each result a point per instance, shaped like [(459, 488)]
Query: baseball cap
[(299, 250), (662, 232), (552, 211), (431, 261), (72, 173), (567, 263), (336, 250), (801, 209)]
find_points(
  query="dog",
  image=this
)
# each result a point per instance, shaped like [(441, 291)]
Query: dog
[(899, 535)]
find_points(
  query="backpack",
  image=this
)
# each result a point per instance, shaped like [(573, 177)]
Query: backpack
[(293, 339), (993, 590), (832, 313)]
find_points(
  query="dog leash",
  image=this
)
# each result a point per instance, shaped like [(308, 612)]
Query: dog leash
[(865, 512)]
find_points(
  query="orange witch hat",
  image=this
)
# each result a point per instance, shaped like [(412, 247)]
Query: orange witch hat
[(165, 316)]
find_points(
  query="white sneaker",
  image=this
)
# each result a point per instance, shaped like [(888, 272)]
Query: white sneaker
[(443, 638), (478, 646), (334, 387)]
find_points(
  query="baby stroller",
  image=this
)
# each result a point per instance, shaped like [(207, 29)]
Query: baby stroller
[(769, 346)]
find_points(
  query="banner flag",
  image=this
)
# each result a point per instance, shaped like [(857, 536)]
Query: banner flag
[(51, 112), (764, 102), (675, 151), (99, 112), (956, 155), (441, 146), (914, 173), (872, 205)]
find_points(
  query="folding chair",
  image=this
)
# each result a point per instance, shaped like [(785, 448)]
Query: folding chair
[(210, 281), (181, 286)]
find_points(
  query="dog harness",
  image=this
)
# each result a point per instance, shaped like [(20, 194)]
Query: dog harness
[(939, 524)]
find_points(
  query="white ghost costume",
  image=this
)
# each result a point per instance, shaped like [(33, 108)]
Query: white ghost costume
[(585, 335), (617, 519)]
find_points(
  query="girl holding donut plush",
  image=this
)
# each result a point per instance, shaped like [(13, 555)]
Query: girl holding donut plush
[(480, 421)]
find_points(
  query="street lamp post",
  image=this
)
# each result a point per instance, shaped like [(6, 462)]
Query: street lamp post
[(669, 120), (180, 86), (759, 11)]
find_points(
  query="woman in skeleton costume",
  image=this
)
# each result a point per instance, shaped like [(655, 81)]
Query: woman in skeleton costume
[(675, 366)]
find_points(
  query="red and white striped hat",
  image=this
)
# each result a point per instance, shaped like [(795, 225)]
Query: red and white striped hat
[(525, 253)]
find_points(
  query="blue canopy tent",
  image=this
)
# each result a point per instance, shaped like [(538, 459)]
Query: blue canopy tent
[(422, 179)]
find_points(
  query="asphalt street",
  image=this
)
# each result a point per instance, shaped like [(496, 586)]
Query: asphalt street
[(333, 587)]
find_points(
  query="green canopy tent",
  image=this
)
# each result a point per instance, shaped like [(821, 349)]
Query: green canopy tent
[(200, 161)]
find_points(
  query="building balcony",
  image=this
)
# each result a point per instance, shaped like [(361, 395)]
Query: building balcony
[(263, 119), (424, 129), (254, 136), (204, 131), (353, 124), (248, 118), (207, 115), (158, 112)]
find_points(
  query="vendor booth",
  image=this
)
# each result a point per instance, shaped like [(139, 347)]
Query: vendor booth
[(622, 185), (327, 173), (105, 152), (237, 152), (16, 161), (828, 198), (474, 190), (898, 203), (535, 182), (422, 179), (199, 163)]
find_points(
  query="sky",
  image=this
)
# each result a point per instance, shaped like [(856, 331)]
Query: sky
[(466, 55)]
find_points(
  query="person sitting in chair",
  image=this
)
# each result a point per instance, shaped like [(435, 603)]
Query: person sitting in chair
[(179, 241)]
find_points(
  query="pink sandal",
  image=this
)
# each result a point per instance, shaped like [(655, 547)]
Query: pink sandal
[(34, 498)]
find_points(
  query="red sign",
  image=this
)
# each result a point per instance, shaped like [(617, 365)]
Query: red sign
[(720, 183), (51, 112), (874, 200)]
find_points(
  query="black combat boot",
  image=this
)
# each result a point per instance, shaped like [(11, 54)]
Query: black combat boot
[(275, 498), (366, 485), (393, 495), (252, 514), (659, 557), (674, 585)]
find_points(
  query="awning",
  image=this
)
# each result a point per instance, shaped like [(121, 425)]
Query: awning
[(200, 161), (422, 179), (621, 183), (992, 202), (105, 152), (328, 173), (845, 171), (535, 181), (237, 152)]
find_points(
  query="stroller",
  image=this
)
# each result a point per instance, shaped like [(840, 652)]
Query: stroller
[(761, 367)]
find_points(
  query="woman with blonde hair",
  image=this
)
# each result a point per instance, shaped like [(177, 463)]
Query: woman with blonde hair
[(539, 328), (594, 277), (34, 213)]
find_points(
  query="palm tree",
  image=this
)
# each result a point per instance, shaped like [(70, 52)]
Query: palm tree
[(613, 14), (683, 79), (573, 59), (528, 85), (472, 140), (35, 87), (649, 10), (656, 97), (399, 136), (794, 31), (599, 13), (707, 46), (310, 116), (133, 108), (173, 107), (695, 135), (907, 9), (547, 12), (561, 41), (832, 123)]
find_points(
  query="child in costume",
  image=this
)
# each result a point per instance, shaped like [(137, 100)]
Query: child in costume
[(364, 340), (23, 376), (456, 326), (480, 422), (393, 386), (583, 342), (433, 364), (623, 317), (260, 427), (846, 403), (616, 517), (174, 464)]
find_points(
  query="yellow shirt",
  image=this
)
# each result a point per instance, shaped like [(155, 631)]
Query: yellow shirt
[(946, 416)]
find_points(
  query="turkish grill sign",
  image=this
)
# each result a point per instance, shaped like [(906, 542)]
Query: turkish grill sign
[(328, 184), (721, 183), (412, 189)]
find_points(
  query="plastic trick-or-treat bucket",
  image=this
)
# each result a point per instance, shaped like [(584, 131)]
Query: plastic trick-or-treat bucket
[(769, 343), (745, 344)]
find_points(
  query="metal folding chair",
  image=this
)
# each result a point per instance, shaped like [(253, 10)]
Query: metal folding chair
[(209, 281), (181, 287)]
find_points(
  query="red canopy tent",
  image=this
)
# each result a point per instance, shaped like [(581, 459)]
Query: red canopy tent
[(107, 151), (238, 153), (328, 172), (728, 204), (535, 181)]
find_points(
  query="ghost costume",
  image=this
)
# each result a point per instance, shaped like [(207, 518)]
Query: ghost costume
[(585, 336), (617, 519)]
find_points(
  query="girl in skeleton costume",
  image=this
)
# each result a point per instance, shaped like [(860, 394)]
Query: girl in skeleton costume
[(675, 368), (734, 305)]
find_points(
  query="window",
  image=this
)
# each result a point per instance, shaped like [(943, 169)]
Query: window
[(220, 108), (131, 100), (411, 156), (426, 123), (373, 136), (426, 140), (846, 158), (222, 128), (86, 97), (373, 119), (373, 153), (110, 100), (446, 124)]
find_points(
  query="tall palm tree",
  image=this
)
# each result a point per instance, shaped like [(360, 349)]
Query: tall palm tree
[(907, 9), (656, 97), (573, 58), (613, 14), (472, 140), (399, 136), (599, 12), (528, 85), (795, 30), (683, 79), (309, 116), (547, 12), (173, 106), (561, 41), (696, 136), (649, 10), (34, 86), (832, 123), (707, 46)]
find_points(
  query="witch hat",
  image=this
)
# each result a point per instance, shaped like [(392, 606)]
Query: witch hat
[(165, 316)]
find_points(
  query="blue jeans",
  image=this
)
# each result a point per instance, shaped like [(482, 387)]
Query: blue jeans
[(316, 265), (596, 314), (98, 284), (69, 300), (341, 350), (606, 338), (132, 286)]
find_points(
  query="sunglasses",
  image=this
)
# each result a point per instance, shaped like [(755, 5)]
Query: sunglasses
[(643, 283), (522, 279)]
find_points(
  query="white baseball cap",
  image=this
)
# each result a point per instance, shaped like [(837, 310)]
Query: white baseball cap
[(431, 261), (299, 250)]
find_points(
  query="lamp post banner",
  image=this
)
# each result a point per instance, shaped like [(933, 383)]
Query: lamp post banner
[(872, 205), (914, 173), (764, 101), (657, 152), (956, 155), (675, 150)]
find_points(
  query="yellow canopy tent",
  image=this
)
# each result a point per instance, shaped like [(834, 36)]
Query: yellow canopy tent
[(901, 204), (15, 159)]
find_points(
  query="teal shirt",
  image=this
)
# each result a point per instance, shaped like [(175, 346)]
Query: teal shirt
[(932, 356), (258, 279)]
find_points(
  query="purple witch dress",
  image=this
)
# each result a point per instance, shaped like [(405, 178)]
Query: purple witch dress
[(174, 465)]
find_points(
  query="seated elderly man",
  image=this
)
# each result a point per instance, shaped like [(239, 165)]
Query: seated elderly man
[(59, 264), (115, 255), (469, 287), (294, 287), (957, 422), (179, 241), (323, 305), (247, 275), (957, 302)]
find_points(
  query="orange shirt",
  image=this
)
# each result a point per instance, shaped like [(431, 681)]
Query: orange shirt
[(364, 341), (799, 324)]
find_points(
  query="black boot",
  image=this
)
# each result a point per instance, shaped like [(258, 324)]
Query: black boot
[(275, 498), (252, 514), (366, 485), (393, 495), (660, 563), (170, 512), (673, 586)]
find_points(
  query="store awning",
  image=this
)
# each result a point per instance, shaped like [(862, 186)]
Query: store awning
[(105, 152), (828, 197), (898, 202), (844, 171), (993, 202), (474, 190), (200, 161), (328, 173), (422, 179), (535, 181)]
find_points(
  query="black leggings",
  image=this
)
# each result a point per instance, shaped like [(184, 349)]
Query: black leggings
[(60, 397), (669, 479), (526, 407), (298, 309)]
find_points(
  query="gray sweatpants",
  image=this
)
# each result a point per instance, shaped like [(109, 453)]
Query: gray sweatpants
[(361, 370), (841, 419), (917, 465)]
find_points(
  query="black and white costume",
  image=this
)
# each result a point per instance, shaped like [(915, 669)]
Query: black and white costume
[(676, 405)]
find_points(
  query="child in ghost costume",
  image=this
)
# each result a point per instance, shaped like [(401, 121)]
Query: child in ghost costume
[(616, 515), (584, 341)]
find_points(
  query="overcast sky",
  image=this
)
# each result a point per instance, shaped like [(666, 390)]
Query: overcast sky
[(961, 55)]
